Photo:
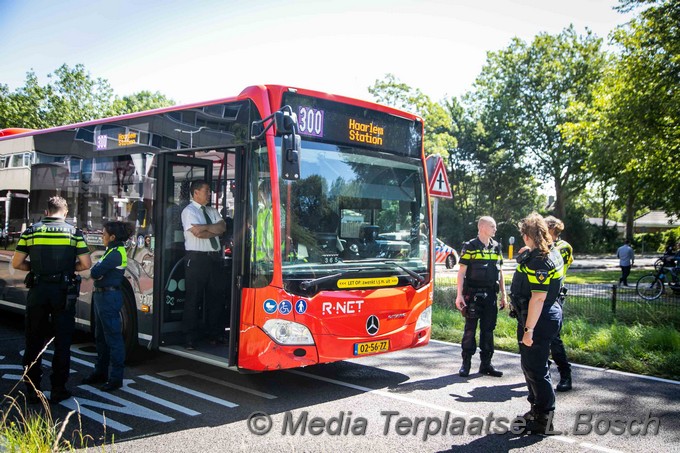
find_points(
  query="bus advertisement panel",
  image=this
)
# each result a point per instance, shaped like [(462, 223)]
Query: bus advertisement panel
[(313, 198)]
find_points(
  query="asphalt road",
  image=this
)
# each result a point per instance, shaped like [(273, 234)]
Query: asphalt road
[(382, 403)]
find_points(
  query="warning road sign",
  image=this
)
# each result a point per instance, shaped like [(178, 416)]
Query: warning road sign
[(439, 182)]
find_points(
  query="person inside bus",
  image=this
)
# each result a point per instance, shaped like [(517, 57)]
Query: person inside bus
[(203, 226), (51, 251), (108, 275)]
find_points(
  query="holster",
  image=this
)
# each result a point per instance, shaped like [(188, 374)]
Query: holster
[(29, 281), (520, 307), (72, 292)]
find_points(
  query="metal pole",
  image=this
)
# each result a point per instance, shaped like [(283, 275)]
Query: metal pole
[(434, 232)]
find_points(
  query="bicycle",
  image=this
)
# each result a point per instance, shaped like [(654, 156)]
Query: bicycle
[(652, 286)]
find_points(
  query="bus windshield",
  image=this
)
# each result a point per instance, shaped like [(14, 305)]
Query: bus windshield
[(353, 208)]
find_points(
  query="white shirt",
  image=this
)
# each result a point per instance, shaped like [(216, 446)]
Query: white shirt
[(193, 215)]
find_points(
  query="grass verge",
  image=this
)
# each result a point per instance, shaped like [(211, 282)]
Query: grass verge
[(637, 348)]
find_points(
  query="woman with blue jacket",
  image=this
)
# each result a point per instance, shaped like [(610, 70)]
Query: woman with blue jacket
[(108, 276)]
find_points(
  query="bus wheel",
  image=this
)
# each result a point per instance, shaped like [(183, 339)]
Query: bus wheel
[(129, 323), (450, 261)]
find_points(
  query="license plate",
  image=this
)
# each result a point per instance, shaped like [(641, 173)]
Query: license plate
[(371, 347)]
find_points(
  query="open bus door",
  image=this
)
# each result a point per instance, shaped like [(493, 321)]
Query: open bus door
[(176, 173)]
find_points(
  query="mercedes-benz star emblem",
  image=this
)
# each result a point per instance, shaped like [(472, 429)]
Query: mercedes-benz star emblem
[(372, 325)]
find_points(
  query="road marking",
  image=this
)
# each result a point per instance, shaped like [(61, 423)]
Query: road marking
[(175, 373), (157, 400), (378, 392), (72, 404), (430, 405), (179, 388), (598, 448), (128, 407)]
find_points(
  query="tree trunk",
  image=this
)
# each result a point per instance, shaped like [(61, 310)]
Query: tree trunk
[(560, 205), (630, 214)]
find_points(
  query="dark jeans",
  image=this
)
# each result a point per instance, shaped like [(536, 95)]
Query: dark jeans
[(46, 318), (534, 360), (488, 313), (625, 272), (205, 287), (108, 334)]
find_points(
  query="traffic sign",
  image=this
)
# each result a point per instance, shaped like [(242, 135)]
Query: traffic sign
[(439, 182)]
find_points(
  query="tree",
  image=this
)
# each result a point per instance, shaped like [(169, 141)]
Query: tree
[(438, 139), (137, 102), (71, 96), (524, 94), (633, 120)]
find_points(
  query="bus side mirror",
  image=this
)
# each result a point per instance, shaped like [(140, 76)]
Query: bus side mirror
[(291, 147), (285, 122)]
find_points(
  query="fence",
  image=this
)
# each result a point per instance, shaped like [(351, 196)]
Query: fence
[(604, 303)]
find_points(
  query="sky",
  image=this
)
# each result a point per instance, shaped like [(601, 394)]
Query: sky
[(201, 50)]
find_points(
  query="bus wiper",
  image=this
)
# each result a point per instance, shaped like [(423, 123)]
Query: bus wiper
[(417, 277), (306, 284)]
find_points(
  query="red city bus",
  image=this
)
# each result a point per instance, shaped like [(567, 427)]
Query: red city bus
[(310, 186)]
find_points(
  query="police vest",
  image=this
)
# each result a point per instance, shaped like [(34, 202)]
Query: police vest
[(52, 246), (483, 263)]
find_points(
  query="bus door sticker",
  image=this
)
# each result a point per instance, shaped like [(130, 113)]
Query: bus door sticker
[(285, 307), (348, 283), (300, 307), (310, 121), (270, 306)]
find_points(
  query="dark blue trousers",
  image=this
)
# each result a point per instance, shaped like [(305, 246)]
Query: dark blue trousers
[(534, 360), (109, 335), (46, 317), (488, 314)]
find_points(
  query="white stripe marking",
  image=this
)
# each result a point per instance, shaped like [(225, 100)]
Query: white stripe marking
[(175, 373), (189, 391), (157, 400)]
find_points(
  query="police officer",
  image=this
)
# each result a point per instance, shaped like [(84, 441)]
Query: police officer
[(534, 291), (108, 275), (56, 249), (557, 351), (480, 277)]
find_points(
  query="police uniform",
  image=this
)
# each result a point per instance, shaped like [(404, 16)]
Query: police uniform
[(480, 289), (108, 275), (53, 246), (537, 273), (557, 351)]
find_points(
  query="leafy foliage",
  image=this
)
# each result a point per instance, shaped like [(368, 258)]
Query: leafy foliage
[(71, 96)]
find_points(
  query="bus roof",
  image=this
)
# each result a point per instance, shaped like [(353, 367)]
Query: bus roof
[(275, 93)]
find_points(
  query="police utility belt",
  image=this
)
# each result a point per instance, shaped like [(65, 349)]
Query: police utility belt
[(32, 279)]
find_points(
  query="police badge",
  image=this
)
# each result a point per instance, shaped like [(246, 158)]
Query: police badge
[(541, 275)]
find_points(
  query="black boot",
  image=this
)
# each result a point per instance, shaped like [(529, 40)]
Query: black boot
[(488, 369), (540, 424), (465, 367), (564, 384)]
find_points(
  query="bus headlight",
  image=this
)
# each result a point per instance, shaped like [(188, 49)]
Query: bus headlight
[(288, 332), (425, 318)]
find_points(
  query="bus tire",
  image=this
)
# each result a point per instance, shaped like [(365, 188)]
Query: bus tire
[(128, 315)]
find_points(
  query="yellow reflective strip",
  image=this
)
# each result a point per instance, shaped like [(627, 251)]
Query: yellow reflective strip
[(123, 255), (52, 241)]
